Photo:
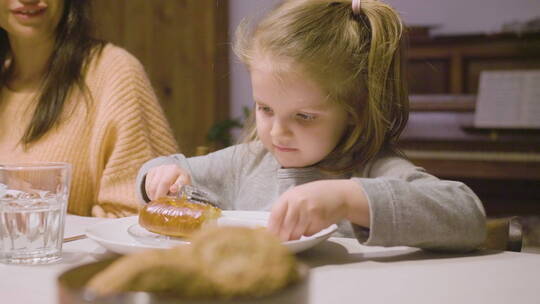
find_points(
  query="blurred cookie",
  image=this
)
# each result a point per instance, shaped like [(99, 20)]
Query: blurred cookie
[(152, 271), (220, 263), (240, 261)]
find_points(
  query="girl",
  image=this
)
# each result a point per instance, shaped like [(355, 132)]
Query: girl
[(67, 97), (330, 103)]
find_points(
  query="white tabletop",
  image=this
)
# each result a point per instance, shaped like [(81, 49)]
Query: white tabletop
[(342, 271)]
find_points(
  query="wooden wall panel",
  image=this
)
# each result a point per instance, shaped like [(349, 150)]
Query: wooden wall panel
[(109, 19), (183, 47)]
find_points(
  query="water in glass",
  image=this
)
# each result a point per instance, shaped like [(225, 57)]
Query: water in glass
[(32, 222)]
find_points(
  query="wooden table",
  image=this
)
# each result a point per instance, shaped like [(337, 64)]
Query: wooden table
[(342, 271)]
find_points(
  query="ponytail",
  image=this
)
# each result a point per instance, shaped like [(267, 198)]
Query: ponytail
[(387, 107)]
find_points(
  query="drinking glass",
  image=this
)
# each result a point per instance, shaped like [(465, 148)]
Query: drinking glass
[(33, 201)]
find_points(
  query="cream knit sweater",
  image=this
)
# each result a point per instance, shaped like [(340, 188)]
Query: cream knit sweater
[(106, 138)]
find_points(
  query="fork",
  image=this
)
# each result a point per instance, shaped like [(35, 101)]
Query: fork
[(193, 193), (197, 195)]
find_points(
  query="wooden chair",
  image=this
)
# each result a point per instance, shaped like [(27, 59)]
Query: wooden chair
[(503, 234)]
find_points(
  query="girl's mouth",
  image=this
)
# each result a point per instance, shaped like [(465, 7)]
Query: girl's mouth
[(284, 149)]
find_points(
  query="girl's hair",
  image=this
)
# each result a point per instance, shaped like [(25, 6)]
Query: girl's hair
[(356, 59), (65, 69)]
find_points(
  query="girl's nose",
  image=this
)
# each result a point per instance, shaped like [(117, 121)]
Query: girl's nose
[(278, 128)]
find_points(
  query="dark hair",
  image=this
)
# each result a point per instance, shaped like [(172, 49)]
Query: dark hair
[(65, 68)]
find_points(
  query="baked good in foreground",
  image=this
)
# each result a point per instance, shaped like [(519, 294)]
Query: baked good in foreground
[(150, 271), (240, 261), (220, 263), (177, 217)]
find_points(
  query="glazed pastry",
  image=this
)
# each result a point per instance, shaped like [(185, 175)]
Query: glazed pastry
[(177, 216)]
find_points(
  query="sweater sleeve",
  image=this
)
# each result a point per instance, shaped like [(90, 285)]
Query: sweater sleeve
[(215, 173), (130, 129), (409, 207)]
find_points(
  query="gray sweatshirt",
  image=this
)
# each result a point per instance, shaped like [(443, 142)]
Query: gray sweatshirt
[(408, 206)]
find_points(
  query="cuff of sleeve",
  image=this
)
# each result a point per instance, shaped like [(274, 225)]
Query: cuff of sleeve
[(381, 202), (142, 197)]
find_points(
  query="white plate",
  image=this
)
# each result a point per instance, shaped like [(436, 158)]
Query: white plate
[(125, 236)]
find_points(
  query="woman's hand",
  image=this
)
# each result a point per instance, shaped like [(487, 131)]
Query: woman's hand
[(311, 207), (165, 179)]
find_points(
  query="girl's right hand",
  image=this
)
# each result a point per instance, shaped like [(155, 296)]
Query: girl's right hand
[(165, 179)]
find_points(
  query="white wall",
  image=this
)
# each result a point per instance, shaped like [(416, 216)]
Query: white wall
[(240, 94), (450, 16)]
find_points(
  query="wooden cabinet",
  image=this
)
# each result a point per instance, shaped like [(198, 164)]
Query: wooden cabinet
[(452, 64), (502, 167)]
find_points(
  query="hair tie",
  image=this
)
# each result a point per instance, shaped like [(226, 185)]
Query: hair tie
[(356, 7)]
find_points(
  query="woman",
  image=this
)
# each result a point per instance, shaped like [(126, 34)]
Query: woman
[(65, 96)]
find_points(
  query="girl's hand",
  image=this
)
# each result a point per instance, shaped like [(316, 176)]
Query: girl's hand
[(165, 179), (311, 207)]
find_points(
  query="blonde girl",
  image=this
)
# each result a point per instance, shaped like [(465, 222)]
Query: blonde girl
[(330, 103)]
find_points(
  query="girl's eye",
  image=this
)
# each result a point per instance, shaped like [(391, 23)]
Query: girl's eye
[(264, 109), (305, 117)]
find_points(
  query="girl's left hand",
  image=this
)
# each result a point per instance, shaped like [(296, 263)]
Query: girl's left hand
[(309, 208)]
